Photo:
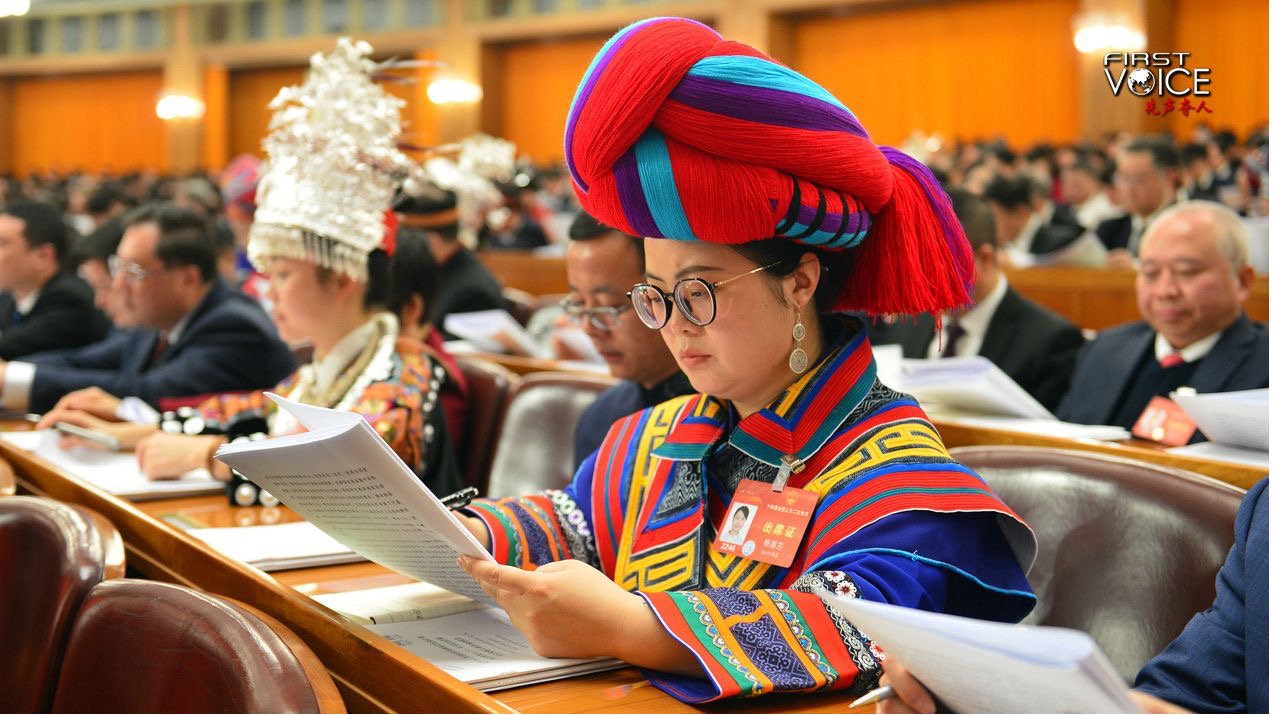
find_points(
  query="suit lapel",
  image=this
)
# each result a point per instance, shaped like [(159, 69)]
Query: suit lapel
[(1221, 361), (998, 341), (1125, 360), (7, 308)]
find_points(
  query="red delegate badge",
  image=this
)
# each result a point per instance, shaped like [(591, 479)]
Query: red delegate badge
[(1165, 422), (766, 525)]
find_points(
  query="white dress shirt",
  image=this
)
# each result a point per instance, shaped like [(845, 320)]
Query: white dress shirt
[(974, 321)]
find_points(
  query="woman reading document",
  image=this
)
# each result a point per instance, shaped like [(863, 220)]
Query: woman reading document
[(784, 213)]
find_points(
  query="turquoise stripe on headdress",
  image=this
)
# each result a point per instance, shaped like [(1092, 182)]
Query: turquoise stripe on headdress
[(654, 166), (756, 72)]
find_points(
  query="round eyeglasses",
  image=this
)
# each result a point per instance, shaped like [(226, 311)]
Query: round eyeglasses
[(694, 297), (603, 317)]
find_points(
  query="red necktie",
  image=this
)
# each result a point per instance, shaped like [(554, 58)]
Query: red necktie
[(161, 346), (1172, 359)]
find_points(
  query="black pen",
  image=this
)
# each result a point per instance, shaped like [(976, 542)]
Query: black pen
[(460, 499)]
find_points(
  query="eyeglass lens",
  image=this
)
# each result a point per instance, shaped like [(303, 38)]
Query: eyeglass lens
[(693, 297)]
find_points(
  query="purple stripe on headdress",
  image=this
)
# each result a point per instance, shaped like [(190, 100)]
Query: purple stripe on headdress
[(775, 107), (631, 196), (585, 91), (939, 200), (831, 221)]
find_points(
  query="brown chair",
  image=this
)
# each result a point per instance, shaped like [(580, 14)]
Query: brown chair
[(8, 482), (151, 647), (51, 554), (489, 386), (1128, 550), (536, 448)]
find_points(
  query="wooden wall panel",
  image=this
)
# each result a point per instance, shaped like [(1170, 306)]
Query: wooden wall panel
[(250, 93), (535, 82), (972, 69), (101, 122), (1230, 37)]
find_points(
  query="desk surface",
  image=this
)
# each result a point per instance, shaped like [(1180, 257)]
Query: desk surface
[(373, 674)]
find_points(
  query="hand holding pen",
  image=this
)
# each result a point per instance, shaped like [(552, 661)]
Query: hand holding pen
[(900, 692)]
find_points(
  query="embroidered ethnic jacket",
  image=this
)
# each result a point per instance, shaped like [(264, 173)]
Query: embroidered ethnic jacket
[(395, 386), (897, 520)]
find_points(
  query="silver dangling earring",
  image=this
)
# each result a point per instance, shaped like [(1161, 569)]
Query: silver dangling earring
[(798, 362)]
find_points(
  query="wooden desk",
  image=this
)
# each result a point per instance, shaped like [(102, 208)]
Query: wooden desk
[(1097, 298), (527, 365), (526, 271), (1240, 475), (8, 483), (372, 674)]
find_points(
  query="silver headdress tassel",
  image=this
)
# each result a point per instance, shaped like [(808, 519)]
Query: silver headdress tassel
[(333, 165)]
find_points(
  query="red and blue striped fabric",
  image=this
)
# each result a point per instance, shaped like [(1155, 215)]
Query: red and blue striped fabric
[(675, 132)]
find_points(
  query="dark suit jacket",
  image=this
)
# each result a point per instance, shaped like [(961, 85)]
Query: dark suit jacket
[(464, 286), (1115, 232), (62, 317), (1239, 361), (1030, 343), (1062, 230), (228, 345), (1221, 661)]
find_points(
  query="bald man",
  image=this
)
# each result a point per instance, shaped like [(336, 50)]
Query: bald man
[(1193, 278)]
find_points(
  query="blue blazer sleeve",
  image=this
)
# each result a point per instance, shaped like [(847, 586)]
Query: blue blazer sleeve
[(1220, 662)]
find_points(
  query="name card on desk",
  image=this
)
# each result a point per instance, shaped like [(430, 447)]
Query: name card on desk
[(116, 473)]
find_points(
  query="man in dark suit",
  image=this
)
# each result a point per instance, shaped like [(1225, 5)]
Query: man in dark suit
[(1146, 176), (1031, 344), (464, 284), (1027, 222), (1192, 281), (197, 334), (42, 307), (602, 265)]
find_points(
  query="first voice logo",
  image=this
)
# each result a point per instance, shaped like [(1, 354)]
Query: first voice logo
[(1161, 75)]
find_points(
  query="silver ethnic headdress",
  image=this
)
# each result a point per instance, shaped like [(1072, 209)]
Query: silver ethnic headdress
[(333, 165)]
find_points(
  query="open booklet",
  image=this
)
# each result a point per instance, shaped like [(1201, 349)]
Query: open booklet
[(473, 642), (970, 384), (974, 391), (343, 478), (276, 547), (1237, 425), (494, 331), (116, 473), (983, 667)]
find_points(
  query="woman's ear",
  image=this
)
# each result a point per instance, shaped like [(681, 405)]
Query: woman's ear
[(805, 280)]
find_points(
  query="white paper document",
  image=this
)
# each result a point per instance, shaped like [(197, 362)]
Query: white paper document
[(484, 649), (395, 604), (494, 331), (342, 477), (113, 472), (969, 384), (276, 547), (983, 667), (1235, 419)]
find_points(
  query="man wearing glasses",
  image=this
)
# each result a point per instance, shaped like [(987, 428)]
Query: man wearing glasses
[(42, 306), (199, 335), (602, 266)]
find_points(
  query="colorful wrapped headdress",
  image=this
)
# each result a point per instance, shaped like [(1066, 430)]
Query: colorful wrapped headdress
[(333, 167), (677, 133)]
